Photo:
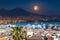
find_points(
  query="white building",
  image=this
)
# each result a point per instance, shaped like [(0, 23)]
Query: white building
[(58, 36), (29, 33), (44, 26), (39, 26)]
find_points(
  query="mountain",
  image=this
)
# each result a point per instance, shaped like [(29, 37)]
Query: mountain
[(20, 12), (16, 12)]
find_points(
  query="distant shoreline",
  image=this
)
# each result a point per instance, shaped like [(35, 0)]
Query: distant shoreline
[(15, 21)]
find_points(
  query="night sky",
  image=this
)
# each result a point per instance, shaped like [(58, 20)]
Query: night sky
[(47, 7)]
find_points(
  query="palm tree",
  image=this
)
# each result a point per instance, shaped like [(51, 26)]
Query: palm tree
[(17, 33)]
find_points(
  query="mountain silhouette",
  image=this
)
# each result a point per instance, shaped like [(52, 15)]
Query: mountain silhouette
[(15, 12), (20, 12)]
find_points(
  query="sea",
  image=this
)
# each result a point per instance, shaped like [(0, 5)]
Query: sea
[(33, 23)]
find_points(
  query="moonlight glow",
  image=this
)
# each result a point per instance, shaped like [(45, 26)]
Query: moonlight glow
[(36, 7)]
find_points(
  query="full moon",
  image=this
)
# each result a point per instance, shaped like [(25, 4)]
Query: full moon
[(36, 8)]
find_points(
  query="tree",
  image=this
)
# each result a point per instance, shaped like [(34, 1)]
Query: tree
[(17, 33)]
